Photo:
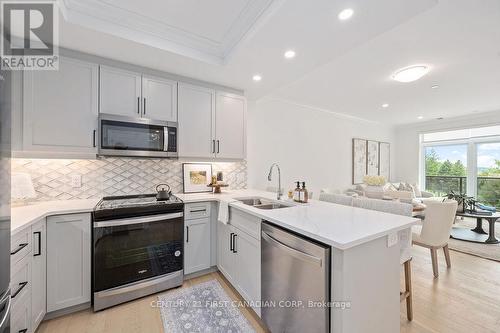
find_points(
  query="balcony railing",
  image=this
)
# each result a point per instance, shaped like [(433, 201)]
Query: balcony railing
[(488, 188)]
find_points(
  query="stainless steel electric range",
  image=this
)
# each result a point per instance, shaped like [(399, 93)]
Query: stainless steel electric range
[(138, 247)]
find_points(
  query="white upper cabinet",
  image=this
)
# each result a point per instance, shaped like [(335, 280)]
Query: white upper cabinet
[(230, 126), (196, 121), (159, 98), (132, 94), (211, 124), (120, 92), (60, 108)]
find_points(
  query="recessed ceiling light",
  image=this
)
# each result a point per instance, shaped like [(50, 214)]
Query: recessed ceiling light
[(385, 105), (410, 74), (257, 77), (289, 54), (420, 117), (434, 86), (345, 14)]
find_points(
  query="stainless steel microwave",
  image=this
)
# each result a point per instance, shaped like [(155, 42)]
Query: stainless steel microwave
[(136, 137)]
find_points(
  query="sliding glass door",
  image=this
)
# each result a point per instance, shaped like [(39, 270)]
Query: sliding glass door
[(488, 173)]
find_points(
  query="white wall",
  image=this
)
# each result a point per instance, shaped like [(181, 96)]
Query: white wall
[(310, 144), (407, 148)]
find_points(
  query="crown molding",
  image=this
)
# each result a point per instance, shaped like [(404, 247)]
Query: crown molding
[(117, 21)]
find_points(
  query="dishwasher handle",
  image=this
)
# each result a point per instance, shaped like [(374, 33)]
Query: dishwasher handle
[(296, 253)]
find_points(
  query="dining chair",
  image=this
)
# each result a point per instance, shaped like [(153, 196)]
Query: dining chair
[(436, 229), (398, 208)]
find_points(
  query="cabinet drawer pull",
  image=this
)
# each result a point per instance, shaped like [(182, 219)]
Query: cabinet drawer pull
[(19, 248), (198, 210), (21, 286), (39, 250)]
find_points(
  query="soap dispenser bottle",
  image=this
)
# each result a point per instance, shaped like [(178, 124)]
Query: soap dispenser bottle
[(305, 193), (297, 193)]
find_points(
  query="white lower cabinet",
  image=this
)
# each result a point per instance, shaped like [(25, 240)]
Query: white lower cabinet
[(238, 256), (68, 260), (197, 245), (20, 321), (38, 273), (28, 278)]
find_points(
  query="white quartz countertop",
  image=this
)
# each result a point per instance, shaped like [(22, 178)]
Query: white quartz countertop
[(24, 216), (336, 225)]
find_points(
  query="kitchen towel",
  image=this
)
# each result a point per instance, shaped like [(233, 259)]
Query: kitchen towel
[(224, 209)]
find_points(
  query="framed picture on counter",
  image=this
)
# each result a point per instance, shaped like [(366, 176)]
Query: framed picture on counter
[(196, 177)]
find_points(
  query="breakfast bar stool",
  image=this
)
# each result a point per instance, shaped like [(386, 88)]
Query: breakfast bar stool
[(398, 208)]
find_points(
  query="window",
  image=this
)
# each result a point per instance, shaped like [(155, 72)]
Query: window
[(488, 173), (446, 169), (465, 161)]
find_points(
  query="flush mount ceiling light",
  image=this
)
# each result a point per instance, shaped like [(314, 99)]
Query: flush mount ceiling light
[(420, 117), (434, 86), (256, 77), (410, 74), (385, 105), (345, 14), (289, 54)]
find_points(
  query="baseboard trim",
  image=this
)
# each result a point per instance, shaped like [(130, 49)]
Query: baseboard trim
[(66, 311), (200, 273)]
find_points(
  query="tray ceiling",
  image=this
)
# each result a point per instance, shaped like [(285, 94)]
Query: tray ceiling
[(203, 30)]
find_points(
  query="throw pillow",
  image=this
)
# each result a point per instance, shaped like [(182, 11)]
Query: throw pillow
[(417, 191)]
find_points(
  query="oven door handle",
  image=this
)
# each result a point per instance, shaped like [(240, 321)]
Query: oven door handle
[(137, 220)]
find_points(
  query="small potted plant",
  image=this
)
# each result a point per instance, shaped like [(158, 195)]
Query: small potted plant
[(464, 202)]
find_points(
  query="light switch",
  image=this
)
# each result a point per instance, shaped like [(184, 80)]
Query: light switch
[(392, 239), (76, 180)]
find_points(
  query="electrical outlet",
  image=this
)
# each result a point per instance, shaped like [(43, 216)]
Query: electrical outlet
[(392, 239), (76, 180)]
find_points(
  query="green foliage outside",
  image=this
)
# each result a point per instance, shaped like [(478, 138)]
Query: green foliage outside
[(488, 189), (454, 179)]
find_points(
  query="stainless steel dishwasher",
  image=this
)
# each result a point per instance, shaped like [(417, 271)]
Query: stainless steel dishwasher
[(295, 271)]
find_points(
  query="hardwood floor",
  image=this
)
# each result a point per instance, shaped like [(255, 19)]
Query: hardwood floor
[(465, 298)]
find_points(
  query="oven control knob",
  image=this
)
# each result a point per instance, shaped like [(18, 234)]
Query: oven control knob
[(177, 253)]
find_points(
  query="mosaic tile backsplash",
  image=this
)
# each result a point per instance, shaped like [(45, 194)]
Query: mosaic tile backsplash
[(113, 176)]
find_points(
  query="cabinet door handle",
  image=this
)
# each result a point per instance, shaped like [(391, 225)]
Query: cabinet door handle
[(234, 244), (138, 105), (213, 146), (39, 250), (93, 138), (187, 234), (21, 286), (19, 248), (24, 330), (144, 110), (218, 146), (231, 241)]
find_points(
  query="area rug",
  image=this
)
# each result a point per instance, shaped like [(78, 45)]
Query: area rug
[(488, 251), (204, 307)]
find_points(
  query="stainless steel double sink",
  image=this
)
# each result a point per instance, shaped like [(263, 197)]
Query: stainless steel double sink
[(263, 203)]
